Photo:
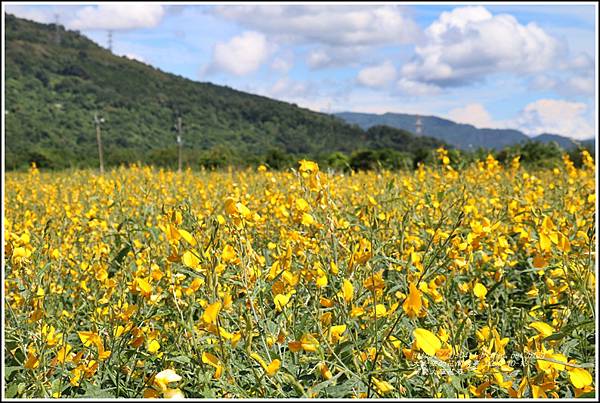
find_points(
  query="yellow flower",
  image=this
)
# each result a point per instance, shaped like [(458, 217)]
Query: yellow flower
[(380, 311), (480, 291), (187, 236), (270, 369), (143, 286), (190, 259), (214, 362), (383, 387), (427, 341), (173, 394), (309, 343), (92, 338), (545, 243), (281, 300), (229, 255), (580, 377), (163, 378), (153, 346), (211, 312), (230, 206), (301, 205), (63, 353), (322, 279), (335, 332), (362, 252), (32, 361), (307, 219), (324, 370), (412, 304), (543, 328), (308, 167), (243, 210), (347, 291), (172, 233), (20, 253)]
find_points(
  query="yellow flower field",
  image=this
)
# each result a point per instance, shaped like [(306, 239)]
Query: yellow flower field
[(255, 283)]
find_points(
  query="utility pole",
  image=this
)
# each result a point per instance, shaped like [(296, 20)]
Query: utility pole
[(57, 27), (179, 143), (97, 122)]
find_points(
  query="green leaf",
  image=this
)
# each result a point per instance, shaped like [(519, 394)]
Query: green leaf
[(182, 359), (11, 391), (587, 395), (9, 370), (121, 255), (94, 391)]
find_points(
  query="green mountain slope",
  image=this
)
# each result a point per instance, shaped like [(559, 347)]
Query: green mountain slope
[(463, 136), (53, 90)]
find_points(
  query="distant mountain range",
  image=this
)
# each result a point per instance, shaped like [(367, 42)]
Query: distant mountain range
[(463, 136)]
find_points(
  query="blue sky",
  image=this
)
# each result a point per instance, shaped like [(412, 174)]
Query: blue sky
[(529, 67)]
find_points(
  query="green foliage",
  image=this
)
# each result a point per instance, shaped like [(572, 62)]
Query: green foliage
[(533, 153), (575, 154), (278, 159), (379, 137), (337, 161), (385, 158)]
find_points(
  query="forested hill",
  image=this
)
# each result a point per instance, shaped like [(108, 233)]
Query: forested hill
[(53, 90)]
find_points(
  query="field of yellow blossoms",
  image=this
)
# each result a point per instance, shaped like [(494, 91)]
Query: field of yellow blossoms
[(254, 283)]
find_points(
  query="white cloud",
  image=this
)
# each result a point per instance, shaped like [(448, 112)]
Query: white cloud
[(473, 114), (409, 87), (569, 86), (555, 116), (118, 16), (286, 88), (544, 82), (581, 61), (581, 85), (340, 34), (319, 58), (377, 76), (241, 55), (305, 94), (330, 56), (347, 25), (469, 43), (31, 13), (283, 64)]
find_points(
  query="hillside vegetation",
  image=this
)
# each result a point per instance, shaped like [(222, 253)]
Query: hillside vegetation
[(53, 90)]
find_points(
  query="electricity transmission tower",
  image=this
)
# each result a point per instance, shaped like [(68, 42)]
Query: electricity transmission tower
[(418, 126), (97, 123), (110, 40), (57, 28)]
